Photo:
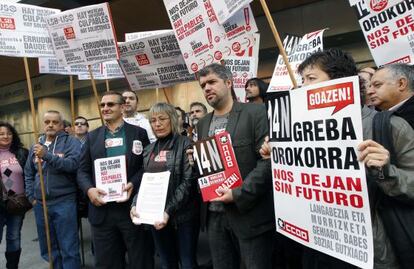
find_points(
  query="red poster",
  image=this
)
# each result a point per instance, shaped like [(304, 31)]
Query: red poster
[(217, 164)]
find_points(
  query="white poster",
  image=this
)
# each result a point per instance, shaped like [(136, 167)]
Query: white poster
[(83, 35), (202, 39), (374, 5), (244, 66), (111, 177), (152, 196), (388, 30), (23, 30), (139, 35), (51, 66), (297, 51), (153, 62), (107, 70), (320, 188), (227, 8)]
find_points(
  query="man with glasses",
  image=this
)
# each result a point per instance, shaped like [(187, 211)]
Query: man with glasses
[(113, 233), (81, 129), (132, 116)]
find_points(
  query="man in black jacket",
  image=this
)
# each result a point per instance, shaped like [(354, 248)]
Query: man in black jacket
[(112, 230), (392, 88), (240, 224)]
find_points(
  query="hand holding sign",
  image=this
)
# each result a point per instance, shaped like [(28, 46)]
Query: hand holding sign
[(226, 196), (128, 189), (373, 154), (95, 196), (163, 223)]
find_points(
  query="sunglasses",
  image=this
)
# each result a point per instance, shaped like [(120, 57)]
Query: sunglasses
[(80, 123), (109, 104)]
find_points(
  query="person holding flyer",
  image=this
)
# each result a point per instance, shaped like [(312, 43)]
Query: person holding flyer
[(240, 223), (112, 231), (384, 178), (180, 225)]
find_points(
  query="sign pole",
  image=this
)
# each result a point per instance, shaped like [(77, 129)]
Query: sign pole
[(39, 165), (107, 85), (278, 42), (166, 96), (72, 100), (95, 92)]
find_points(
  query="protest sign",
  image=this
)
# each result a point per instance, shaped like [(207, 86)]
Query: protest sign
[(23, 30), (152, 196), (314, 134), (217, 165), (297, 50), (83, 35), (244, 66), (51, 66), (111, 177), (201, 38), (388, 30), (107, 70), (224, 9), (374, 5), (154, 61), (139, 35)]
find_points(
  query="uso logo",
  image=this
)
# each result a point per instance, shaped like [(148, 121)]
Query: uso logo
[(293, 230)]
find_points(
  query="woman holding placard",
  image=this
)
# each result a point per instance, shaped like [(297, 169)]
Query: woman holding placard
[(175, 235)]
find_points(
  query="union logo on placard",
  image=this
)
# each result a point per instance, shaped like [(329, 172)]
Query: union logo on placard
[(7, 23), (378, 5), (69, 33)]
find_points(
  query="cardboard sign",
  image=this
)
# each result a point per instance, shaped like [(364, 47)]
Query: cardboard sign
[(314, 134), (23, 30), (227, 8), (202, 39), (217, 165), (154, 61), (388, 30), (111, 176), (83, 35), (244, 66), (297, 50)]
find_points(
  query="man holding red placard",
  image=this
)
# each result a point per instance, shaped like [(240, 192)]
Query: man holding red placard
[(240, 223)]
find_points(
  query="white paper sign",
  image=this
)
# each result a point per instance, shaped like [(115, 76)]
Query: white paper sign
[(152, 196), (202, 39), (139, 35), (374, 5), (389, 31), (83, 35), (320, 188), (297, 50), (51, 66), (244, 66), (107, 70), (111, 177), (227, 8), (23, 30), (153, 62)]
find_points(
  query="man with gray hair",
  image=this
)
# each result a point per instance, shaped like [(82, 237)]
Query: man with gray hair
[(392, 88)]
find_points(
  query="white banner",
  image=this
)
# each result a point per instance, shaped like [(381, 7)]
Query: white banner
[(227, 8), (83, 35), (107, 70), (153, 62), (51, 66), (388, 31), (297, 50), (23, 30), (139, 35), (320, 188), (202, 39), (244, 66)]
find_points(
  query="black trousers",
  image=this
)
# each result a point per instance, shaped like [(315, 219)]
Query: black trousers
[(117, 235)]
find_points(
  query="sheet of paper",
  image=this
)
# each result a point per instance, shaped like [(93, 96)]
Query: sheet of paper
[(152, 197)]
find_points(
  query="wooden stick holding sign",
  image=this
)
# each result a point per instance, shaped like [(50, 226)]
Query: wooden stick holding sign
[(279, 42), (72, 100), (107, 85), (166, 96), (39, 164), (95, 92)]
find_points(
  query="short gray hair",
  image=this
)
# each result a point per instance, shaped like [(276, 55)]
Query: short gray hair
[(55, 112), (220, 70), (401, 70), (170, 111)]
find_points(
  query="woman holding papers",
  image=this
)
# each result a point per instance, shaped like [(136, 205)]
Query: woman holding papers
[(175, 235)]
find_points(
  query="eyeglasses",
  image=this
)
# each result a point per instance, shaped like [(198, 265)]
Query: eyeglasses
[(160, 120), (109, 104), (80, 123)]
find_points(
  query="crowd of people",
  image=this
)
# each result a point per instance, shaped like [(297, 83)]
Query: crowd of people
[(240, 224)]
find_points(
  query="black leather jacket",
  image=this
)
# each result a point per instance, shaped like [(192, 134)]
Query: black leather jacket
[(182, 202)]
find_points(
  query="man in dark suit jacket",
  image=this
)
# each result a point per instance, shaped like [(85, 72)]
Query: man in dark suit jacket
[(240, 223), (112, 229), (392, 88)]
